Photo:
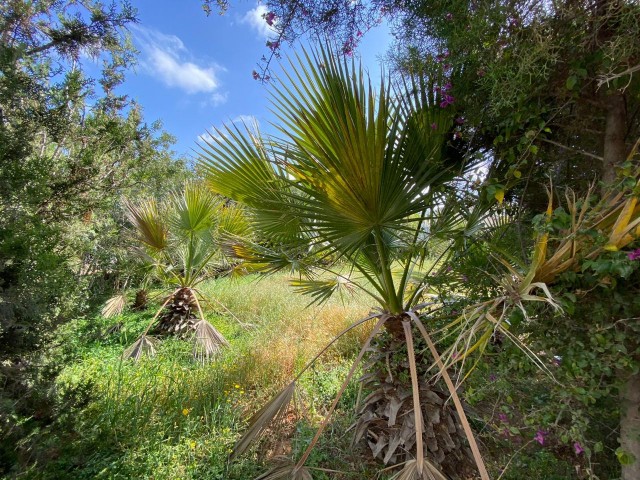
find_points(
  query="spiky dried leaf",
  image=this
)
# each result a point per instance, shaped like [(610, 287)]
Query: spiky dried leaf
[(114, 306), (261, 420), (207, 341), (144, 345), (286, 471), (410, 472)]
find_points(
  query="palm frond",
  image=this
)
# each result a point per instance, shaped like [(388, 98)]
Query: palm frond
[(207, 341), (410, 472), (323, 290), (114, 306), (193, 208), (263, 418), (149, 222), (286, 471), (144, 345)]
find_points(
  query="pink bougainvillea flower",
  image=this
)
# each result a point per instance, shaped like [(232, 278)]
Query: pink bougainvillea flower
[(273, 45), (578, 448), (635, 255), (270, 17), (539, 436), (255, 75)]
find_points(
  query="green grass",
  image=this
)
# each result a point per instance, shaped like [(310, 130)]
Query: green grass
[(168, 417)]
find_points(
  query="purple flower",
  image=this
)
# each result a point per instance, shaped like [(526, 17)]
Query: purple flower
[(492, 378), (446, 66), (503, 418), (446, 87), (449, 16), (635, 255), (434, 126), (270, 18), (578, 448), (273, 45), (460, 120), (539, 436), (448, 100), (440, 57)]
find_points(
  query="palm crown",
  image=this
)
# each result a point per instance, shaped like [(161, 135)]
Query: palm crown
[(354, 175)]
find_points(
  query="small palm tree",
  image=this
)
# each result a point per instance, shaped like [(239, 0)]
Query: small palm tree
[(180, 245), (366, 179)]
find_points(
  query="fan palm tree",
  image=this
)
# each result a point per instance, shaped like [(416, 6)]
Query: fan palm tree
[(367, 179), (180, 245)]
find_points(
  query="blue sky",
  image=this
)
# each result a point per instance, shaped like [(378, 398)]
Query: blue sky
[(194, 71)]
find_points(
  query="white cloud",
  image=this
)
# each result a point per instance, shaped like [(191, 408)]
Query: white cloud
[(166, 58), (255, 19), (217, 133)]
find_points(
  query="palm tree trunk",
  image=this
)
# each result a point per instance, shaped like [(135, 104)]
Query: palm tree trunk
[(615, 150), (386, 420)]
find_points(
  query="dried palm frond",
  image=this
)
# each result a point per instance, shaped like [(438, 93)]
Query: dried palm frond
[(149, 222), (410, 472), (114, 306), (144, 345), (286, 471), (207, 341), (275, 410)]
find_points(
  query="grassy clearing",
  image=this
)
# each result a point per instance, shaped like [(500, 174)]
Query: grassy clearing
[(169, 417)]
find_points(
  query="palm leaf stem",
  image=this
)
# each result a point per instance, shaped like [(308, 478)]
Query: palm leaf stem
[(409, 265), (188, 261), (382, 319), (361, 287), (146, 330), (369, 277), (415, 390), (240, 322), (477, 456), (391, 302), (424, 278)]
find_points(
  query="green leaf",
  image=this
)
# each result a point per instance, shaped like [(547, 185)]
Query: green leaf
[(571, 82), (624, 457)]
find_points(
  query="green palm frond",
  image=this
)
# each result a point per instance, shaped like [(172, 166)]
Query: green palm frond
[(323, 290), (193, 209), (238, 166)]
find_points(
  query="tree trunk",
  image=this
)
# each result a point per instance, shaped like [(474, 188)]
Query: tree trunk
[(630, 427), (615, 150)]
